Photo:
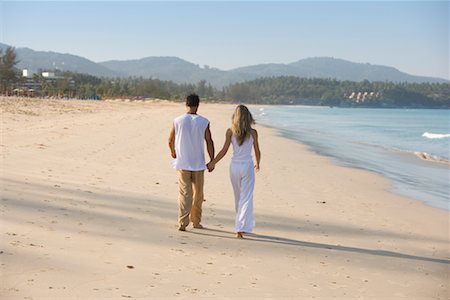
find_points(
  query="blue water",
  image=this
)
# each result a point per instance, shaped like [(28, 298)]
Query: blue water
[(386, 141)]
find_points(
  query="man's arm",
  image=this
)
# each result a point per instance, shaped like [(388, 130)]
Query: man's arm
[(172, 142), (209, 143)]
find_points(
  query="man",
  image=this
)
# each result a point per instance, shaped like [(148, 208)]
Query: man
[(186, 143)]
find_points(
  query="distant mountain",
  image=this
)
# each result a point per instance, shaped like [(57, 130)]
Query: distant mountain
[(177, 70), (327, 67), (165, 68), (36, 60), (181, 71)]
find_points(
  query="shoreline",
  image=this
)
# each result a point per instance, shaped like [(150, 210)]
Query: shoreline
[(390, 183), (394, 186), (89, 210), (398, 179)]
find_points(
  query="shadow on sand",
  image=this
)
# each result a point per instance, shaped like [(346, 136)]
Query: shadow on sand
[(259, 238), (108, 214)]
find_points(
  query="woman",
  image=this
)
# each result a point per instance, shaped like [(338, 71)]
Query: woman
[(242, 170)]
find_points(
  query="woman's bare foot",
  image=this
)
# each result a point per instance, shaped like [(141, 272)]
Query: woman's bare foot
[(239, 235)]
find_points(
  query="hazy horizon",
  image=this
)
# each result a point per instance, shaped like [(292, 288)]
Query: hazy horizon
[(412, 37)]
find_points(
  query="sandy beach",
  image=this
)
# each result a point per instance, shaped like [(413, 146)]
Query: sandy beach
[(89, 211)]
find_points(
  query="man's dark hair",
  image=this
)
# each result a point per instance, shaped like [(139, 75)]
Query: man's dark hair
[(192, 100)]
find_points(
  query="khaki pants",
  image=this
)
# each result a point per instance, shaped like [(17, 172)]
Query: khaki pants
[(190, 198)]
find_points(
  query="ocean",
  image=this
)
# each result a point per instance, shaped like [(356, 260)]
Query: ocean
[(410, 147)]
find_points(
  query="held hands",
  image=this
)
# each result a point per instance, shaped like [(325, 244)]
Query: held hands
[(211, 165)]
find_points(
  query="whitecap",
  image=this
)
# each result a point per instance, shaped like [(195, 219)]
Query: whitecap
[(436, 135)]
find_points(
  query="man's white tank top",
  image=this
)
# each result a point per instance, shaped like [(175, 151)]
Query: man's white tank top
[(242, 153), (190, 142)]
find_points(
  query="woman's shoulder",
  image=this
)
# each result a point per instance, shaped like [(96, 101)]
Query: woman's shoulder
[(254, 132)]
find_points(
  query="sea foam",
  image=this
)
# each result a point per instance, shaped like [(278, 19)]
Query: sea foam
[(433, 158)]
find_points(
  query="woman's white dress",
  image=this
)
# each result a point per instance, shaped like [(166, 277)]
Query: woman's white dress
[(242, 175)]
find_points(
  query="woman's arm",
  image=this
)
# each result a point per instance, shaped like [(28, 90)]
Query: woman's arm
[(256, 148), (222, 152)]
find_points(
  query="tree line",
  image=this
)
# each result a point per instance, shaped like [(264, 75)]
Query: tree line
[(271, 90), (331, 92)]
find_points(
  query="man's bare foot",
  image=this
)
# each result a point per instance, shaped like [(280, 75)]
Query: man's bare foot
[(182, 228), (198, 226), (239, 235)]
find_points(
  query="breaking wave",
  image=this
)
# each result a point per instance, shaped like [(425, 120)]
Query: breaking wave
[(430, 135)]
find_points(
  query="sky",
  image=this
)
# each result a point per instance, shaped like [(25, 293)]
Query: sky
[(412, 36)]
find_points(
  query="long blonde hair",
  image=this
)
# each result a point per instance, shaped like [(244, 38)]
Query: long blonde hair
[(241, 124)]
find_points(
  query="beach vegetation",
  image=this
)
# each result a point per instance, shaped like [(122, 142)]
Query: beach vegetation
[(331, 92), (8, 62)]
